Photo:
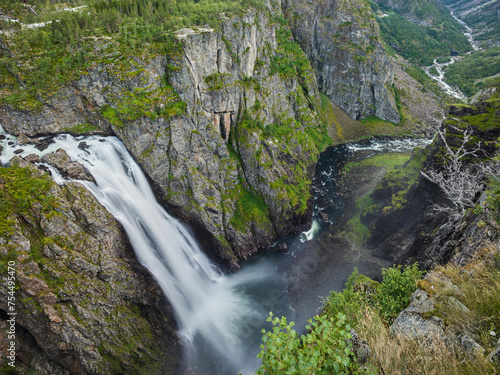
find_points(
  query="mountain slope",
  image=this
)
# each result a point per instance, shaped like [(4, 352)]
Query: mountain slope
[(420, 31), (481, 15)]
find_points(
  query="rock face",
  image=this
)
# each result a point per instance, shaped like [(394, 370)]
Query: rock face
[(410, 322), (84, 304), (342, 40), (225, 127)]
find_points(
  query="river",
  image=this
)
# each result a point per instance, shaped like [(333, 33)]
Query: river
[(441, 67), (220, 316)]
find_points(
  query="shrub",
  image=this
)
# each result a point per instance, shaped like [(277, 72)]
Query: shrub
[(348, 301), (326, 349), (396, 289)]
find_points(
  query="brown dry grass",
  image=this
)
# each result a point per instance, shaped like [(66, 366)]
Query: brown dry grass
[(479, 290)]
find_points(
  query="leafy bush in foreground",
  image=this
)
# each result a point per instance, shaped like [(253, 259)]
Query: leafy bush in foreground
[(326, 349), (396, 289)]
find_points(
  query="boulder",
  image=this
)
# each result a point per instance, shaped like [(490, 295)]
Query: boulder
[(74, 170)]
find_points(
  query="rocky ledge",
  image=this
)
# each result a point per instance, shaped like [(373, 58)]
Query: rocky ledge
[(438, 320)]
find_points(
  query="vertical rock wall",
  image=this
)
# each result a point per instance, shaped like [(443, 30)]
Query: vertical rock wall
[(342, 40)]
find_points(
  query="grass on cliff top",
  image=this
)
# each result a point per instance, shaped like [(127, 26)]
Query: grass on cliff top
[(37, 61), (478, 290)]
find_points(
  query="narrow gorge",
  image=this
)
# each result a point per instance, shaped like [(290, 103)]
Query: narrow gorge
[(172, 172)]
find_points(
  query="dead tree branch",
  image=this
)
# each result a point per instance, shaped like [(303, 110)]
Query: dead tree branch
[(460, 181)]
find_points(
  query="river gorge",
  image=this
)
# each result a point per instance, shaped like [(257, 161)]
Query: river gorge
[(220, 315), (172, 173)]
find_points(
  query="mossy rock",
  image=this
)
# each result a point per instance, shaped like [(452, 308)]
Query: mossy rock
[(365, 283), (426, 286)]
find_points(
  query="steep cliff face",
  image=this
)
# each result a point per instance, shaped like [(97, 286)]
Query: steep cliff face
[(225, 126), (84, 304), (342, 40)]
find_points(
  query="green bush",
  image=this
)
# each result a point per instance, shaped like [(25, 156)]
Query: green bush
[(390, 297), (348, 302), (434, 71), (326, 349), (396, 289)]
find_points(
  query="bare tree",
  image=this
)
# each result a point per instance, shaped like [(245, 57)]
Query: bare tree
[(459, 180)]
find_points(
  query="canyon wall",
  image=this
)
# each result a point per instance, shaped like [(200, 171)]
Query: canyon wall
[(82, 302), (342, 40), (225, 126)]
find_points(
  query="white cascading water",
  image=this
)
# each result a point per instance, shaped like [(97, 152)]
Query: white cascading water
[(220, 317), (212, 310)]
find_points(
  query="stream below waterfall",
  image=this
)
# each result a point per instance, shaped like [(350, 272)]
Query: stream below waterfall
[(441, 67), (220, 316)]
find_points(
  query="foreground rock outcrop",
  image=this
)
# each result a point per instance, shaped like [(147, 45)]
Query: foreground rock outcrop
[(445, 314), (84, 304)]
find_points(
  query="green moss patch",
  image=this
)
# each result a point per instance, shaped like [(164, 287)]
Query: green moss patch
[(20, 190), (488, 120), (85, 128), (250, 208)]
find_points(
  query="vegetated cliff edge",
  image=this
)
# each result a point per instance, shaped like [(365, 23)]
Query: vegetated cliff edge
[(401, 218), (82, 303), (451, 325), (225, 125)]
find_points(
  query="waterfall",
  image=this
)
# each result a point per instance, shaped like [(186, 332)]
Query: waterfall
[(220, 317), (216, 313)]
